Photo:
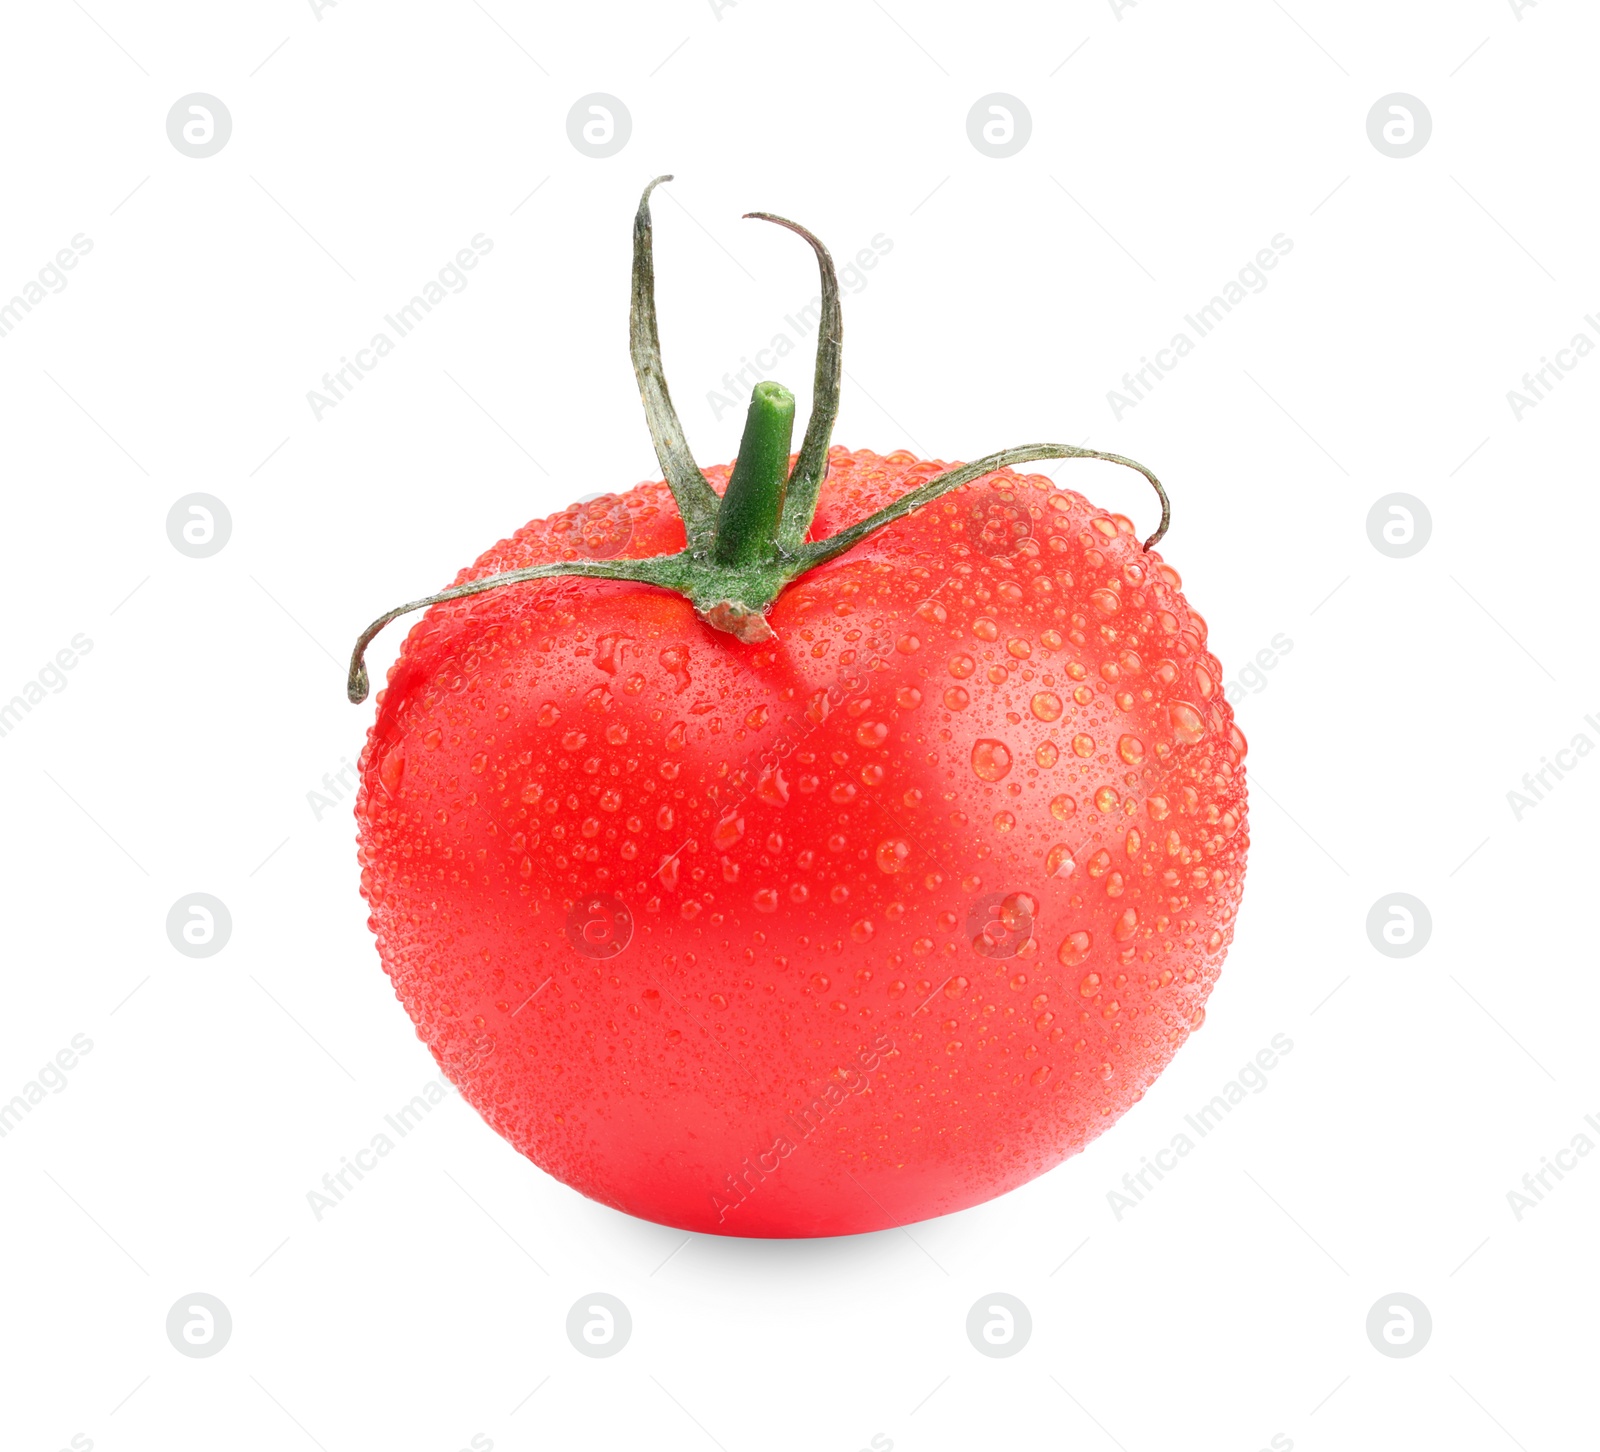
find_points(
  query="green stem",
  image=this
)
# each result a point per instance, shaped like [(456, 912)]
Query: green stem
[(752, 505)]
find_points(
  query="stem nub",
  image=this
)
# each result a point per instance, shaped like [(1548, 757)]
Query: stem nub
[(752, 504)]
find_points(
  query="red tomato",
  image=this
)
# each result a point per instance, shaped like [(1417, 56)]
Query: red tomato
[(837, 931)]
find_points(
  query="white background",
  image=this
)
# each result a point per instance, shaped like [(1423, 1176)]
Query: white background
[(1169, 145)]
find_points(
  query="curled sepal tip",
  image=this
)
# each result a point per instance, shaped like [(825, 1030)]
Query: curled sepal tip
[(656, 570), (811, 466), (826, 549), (695, 498)]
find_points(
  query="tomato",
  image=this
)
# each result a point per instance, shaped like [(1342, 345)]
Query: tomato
[(910, 903), (865, 921)]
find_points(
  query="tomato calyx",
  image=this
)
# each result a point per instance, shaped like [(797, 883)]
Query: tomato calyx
[(744, 547)]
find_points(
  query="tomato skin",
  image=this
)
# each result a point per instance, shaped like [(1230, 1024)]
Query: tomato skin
[(862, 925)]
